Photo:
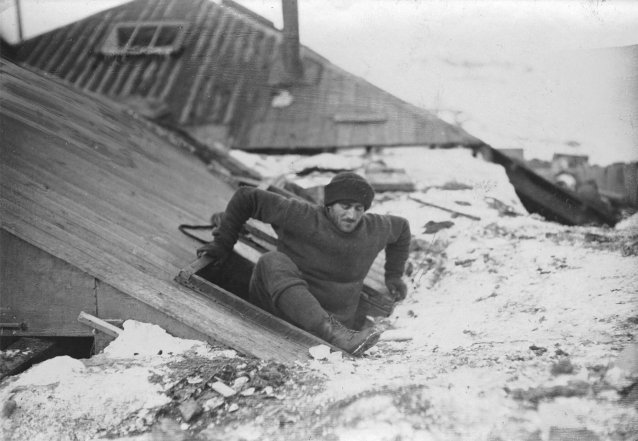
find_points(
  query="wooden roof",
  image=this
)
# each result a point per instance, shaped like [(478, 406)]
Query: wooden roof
[(333, 108), (207, 81), (224, 75), (85, 181)]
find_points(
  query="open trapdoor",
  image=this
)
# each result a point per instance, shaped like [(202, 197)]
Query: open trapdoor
[(228, 285)]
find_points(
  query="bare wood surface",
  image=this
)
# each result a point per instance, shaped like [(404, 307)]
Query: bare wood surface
[(86, 183), (99, 324), (42, 291)]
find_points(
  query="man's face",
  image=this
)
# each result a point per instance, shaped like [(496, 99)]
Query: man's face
[(346, 215)]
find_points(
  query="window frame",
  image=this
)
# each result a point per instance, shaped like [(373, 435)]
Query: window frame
[(112, 46)]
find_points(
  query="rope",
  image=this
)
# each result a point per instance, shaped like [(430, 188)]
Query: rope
[(185, 227)]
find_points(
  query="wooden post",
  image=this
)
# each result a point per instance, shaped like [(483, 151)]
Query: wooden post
[(19, 21)]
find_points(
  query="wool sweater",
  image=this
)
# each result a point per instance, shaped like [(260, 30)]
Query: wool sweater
[(333, 263)]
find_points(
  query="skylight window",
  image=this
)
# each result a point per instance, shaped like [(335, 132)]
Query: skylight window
[(143, 38)]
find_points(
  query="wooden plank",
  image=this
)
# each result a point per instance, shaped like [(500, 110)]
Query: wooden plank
[(359, 117), (66, 195), (138, 212), (250, 311), (110, 239), (22, 354), (92, 171), (125, 141), (119, 206), (98, 324), (457, 213)]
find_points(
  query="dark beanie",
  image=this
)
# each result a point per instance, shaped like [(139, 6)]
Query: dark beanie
[(348, 186)]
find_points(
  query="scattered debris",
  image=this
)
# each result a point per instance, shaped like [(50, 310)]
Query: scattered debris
[(574, 388), (454, 212), (432, 227), (455, 186), (538, 350), (213, 403), (248, 392), (384, 178), (502, 208), (571, 434), (396, 335), (8, 407), (222, 389), (189, 409), (562, 367), (319, 352), (23, 353)]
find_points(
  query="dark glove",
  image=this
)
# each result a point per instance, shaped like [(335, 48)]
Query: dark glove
[(217, 253), (397, 288)]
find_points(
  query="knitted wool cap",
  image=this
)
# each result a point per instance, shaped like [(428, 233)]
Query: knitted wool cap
[(348, 186)]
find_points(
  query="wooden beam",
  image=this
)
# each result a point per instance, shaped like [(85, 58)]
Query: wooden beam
[(458, 213), (359, 118), (99, 324)]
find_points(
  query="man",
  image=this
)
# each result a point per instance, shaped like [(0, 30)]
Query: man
[(314, 279)]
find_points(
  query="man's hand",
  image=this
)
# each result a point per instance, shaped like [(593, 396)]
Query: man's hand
[(397, 288), (215, 251)]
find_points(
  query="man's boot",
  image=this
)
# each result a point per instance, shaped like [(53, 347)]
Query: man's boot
[(353, 342)]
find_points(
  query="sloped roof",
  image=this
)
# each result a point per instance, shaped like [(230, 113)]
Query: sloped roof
[(335, 108), (222, 76), (205, 82), (83, 180)]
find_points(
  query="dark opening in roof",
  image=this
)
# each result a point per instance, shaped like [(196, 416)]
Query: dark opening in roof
[(143, 38)]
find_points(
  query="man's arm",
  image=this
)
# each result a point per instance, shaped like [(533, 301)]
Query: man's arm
[(396, 254), (246, 203)]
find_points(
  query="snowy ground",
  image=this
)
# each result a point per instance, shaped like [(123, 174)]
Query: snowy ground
[(514, 329)]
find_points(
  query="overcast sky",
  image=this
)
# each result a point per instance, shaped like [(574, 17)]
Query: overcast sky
[(501, 27), (473, 56)]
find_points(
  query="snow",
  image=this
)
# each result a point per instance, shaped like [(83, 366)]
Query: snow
[(51, 371), (629, 224), (145, 339), (63, 399), (493, 306)]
